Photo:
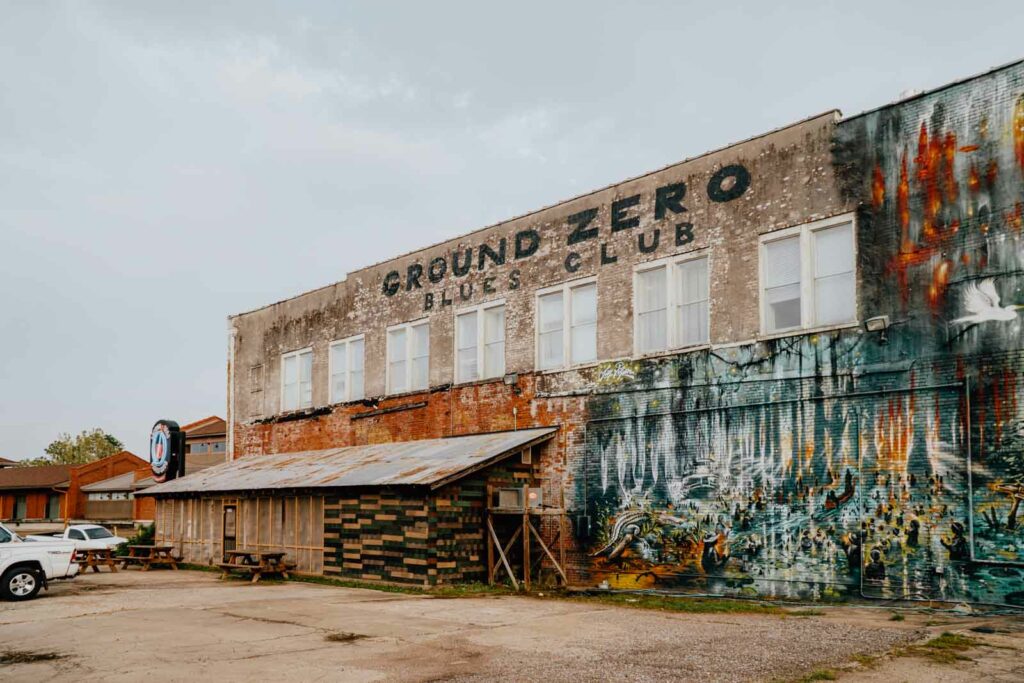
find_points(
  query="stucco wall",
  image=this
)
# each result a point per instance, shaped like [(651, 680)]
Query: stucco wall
[(786, 178)]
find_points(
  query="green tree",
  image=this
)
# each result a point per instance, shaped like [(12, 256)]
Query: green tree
[(77, 450)]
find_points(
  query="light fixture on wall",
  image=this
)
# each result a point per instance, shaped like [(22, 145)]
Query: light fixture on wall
[(880, 324)]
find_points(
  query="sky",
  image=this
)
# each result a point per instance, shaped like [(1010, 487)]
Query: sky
[(166, 164)]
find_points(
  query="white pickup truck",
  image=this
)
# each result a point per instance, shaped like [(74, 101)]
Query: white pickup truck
[(27, 566), (85, 537)]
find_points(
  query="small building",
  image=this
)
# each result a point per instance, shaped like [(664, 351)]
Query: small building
[(205, 443), (34, 493), (96, 472), (404, 512), (110, 499), (4, 463)]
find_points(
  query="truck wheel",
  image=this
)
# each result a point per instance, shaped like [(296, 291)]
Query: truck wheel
[(20, 583)]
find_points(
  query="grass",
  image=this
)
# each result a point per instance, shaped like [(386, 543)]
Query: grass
[(818, 675), (665, 603), (867, 661), (947, 648), (896, 616), (668, 603)]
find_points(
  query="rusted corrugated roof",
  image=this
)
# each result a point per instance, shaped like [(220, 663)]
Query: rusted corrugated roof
[(430, 462)]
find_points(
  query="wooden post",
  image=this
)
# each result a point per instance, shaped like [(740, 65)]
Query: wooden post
[(551, 557), (526, 537), (490, 541), (504, 560)]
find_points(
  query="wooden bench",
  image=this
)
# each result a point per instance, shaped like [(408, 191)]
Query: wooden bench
[(255, 564), (95, 558), (148, 556)]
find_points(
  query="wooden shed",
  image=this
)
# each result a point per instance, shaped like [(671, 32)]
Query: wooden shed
[(413, 512)]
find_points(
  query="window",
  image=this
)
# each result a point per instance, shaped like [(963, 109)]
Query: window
[(76, 535), (480, 342), (808, 276), (96, 533), (347, 369), (297, 379), (408, 357), (199, 448), (567, 325), (217, 447), (671, 304), (256, 378)]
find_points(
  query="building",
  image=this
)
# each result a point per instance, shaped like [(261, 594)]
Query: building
[(205, 443), (34, 493), (411, 512), (4, 463), (90, 496), (788, 367), (70, 492)]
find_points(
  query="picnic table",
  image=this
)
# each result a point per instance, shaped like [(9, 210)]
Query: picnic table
[(149, 556), (95, 557), (255, 563)]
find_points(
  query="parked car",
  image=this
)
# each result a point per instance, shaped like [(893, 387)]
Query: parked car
[(26, 567), (85, 537)]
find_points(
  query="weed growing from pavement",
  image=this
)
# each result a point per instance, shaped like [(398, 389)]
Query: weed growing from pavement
[(668, 603), (896, 616), (867, 661), (947, 648), (818, 675)]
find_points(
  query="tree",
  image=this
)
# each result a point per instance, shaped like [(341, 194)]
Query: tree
[(86, 447)]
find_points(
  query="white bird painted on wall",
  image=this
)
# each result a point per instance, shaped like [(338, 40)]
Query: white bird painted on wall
[(981, 301)]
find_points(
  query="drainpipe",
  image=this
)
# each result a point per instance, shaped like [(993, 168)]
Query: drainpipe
[(232, 334)]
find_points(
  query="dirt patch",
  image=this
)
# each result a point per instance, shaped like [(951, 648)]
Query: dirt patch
[(344, 637), (26, 657)]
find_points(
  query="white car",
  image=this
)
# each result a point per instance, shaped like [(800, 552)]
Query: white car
[(85, 537), (25, 567)]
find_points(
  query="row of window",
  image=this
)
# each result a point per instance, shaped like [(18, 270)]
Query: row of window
[(807, 277)]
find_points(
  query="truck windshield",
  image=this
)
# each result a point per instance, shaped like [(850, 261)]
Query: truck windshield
[(99, 532)]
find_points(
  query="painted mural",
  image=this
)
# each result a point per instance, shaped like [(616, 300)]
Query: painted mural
[(884, 464)]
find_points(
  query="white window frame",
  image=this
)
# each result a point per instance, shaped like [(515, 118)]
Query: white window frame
[(408, 356), (806, 234), (348, 369), (297, 353), (479, 310), (672, 331), (566, 289)]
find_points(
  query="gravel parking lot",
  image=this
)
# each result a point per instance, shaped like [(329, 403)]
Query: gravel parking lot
[(168, 625)]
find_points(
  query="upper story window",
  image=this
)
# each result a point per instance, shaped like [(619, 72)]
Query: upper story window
[(808, 276), (671, 304), (297, 379), (567, 325), (346, 363), (480, 342), (408, 357)]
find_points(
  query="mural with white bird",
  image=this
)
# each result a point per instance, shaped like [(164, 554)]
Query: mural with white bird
[(848, 463)]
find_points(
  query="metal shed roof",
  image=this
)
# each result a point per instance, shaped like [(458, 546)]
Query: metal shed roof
[(430, 462), (122, 482)]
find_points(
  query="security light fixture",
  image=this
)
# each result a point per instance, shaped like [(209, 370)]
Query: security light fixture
[(879, 324)]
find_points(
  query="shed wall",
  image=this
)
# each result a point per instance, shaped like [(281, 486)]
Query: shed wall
[(294, 524)]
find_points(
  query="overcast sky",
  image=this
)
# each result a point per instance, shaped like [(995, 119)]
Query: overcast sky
[(166, 164)]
